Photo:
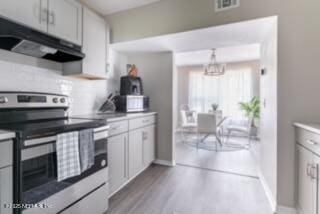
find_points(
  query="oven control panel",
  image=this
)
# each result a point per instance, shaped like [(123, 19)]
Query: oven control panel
[(32, 100)]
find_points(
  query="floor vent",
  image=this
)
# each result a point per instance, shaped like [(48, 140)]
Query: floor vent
[(221, 5)]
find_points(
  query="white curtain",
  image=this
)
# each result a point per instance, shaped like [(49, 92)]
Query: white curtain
[(227, 91)]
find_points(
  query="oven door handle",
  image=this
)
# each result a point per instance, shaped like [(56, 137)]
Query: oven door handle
[(99, 133), (37, 141)]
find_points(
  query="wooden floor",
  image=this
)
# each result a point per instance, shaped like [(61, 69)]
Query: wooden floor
[(190, 190), (241, 161)]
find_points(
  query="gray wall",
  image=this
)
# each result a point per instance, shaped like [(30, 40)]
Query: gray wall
[(298, 75), (156, 70)]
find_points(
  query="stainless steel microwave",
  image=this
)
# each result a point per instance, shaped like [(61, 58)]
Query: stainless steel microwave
[(132, 103)]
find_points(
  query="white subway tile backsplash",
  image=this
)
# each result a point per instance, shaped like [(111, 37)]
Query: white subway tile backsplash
[(85, 96)]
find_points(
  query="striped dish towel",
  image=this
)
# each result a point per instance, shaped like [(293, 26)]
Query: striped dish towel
[(86, 145), (68, 162)]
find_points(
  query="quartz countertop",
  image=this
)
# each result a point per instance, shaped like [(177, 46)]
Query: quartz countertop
[(117, 116), (5, 135), (312, 127)]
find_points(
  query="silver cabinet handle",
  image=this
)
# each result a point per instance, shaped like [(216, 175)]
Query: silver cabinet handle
[(314, 172), (308, 169), (43, 15), (312, 142), (145, 121), (115, 127), (51, 18)]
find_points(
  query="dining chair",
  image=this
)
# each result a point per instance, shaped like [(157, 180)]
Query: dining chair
[(243, 126), (188, 123), (207, 125)]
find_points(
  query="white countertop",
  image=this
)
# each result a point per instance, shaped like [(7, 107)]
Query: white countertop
[(5, 135), (312, 127)]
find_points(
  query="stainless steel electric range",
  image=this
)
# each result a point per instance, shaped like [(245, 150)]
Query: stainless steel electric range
[(37, 119)]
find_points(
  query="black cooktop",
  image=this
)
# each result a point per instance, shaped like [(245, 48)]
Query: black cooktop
[(46, 127)]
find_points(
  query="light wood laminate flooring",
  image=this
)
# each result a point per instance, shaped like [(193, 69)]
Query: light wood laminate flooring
[(189, 190)]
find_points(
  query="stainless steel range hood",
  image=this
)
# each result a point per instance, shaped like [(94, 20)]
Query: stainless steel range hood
[(21, 39)]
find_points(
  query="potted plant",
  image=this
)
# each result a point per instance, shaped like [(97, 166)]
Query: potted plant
[(252, 111)]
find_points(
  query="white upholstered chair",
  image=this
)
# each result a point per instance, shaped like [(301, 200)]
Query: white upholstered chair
[(243, 126), (207, 125)]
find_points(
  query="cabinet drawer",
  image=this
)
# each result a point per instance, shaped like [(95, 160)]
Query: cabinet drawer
[(118, 127), (96, 202), (308, 139), (5, 153), (141, 122)]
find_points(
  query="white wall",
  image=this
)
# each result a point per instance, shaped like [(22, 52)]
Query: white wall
[(268, 121), (156, 71), (24, 73), (298, 48)]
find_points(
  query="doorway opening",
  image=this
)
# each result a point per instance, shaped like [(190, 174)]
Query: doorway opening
[(232, 99)]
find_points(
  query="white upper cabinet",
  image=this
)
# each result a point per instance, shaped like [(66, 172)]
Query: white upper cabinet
[(94, 44), (60, 18), (32, 13), (65, 20)]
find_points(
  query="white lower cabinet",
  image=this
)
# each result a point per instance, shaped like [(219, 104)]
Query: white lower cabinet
[(117, 161), (149, 145), (6, 195), (135, 152), (129, 153), (308, 163), (307, 182)]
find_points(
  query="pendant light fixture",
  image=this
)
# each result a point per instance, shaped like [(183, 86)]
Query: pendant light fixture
[(213, 68)]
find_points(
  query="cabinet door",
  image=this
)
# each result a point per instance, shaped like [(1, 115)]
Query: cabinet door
[(149, 145), (94, 44), (306, 185), (6, 189), (65, 20), (28, 12), (117, 161), (135, 152), (316, 160)]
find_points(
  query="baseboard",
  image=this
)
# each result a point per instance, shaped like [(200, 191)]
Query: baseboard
[(286, 210), (268, 192), (164, 162)]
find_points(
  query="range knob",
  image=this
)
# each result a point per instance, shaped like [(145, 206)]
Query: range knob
[(103, 163), (55, 100), (62, 100), (3, 100)]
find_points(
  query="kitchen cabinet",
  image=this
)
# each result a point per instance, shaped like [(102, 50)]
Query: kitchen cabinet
[(6, 185), (28, 12), (65, 20), (117, 160), (6, 178), (94, 46), (308, 163), (131, 149), (135, 152), (307, 185), (60, 18), (148, 144)]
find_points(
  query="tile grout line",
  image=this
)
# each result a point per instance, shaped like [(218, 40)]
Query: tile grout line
[(216, 170)]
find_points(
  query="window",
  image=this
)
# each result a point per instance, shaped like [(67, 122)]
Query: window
[(227, 90)]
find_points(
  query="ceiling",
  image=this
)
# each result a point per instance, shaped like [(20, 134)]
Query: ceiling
[(224, 55), (237, 34), (106, 7)]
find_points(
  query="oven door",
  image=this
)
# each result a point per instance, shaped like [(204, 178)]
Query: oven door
[(39, 173)]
